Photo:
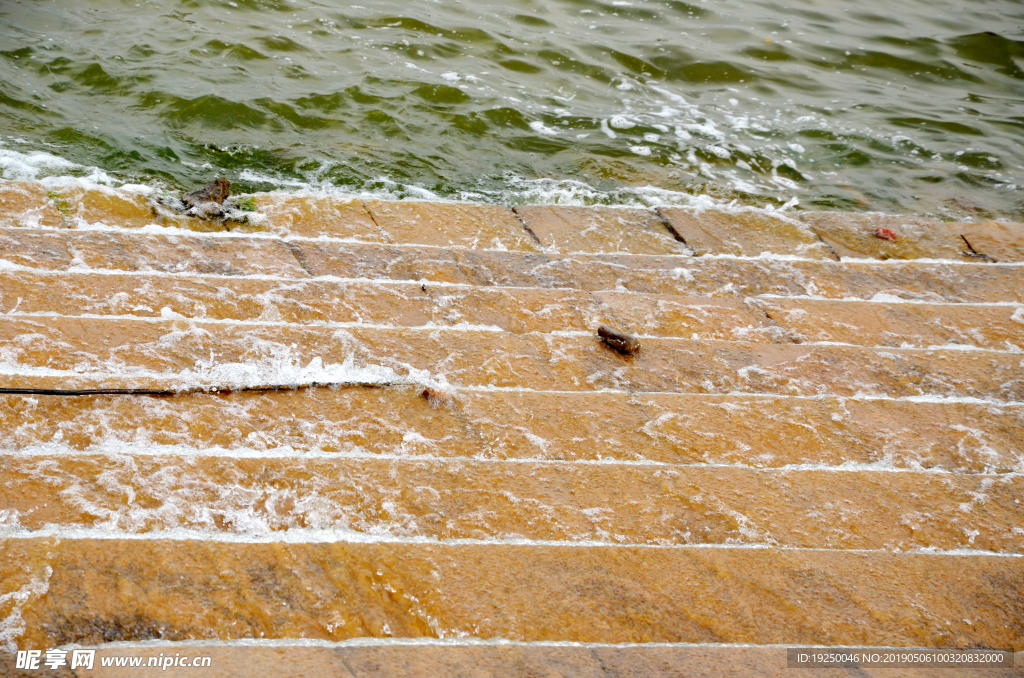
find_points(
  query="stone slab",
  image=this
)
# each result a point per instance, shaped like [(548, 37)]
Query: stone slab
[(240, 256), (409, 304), (173, 254), (853, 236), (25, 204), (908, 325), (670, 275), (475, 499), (999, 240), (315, 217), (600, 230), (87, 348), (451, 225), (744, 233), (95, 591), (748, 431)]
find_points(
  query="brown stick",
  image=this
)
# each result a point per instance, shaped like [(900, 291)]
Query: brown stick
[(215, 390)]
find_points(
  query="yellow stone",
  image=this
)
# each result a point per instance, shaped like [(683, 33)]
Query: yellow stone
[(853, 236), (25, 204), (599, 230), (451, 224), (1000, 240), (744, 233)]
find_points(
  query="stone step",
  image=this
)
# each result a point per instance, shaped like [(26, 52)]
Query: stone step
[(426, 659), (670, 274), (100, 590), (519, 310), (489, 500), (411, 304), (572, 229), (126, 251), (230, 255), (600, 230), (115, 351), (744, 233), (899, 324), (854, 236), (451, 225), (757, 432)]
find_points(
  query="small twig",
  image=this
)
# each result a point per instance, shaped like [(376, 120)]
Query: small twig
[(167, 392)]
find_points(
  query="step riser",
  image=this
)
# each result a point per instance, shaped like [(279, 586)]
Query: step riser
[(233, 256), (998, 328), (541, 362), (752, 432), (109, 590), (409, 304), (481, 500)]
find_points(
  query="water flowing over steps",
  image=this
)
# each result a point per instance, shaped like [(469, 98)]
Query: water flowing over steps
[(806, 450)]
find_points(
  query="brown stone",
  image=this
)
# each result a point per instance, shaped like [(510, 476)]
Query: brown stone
[(106, 590), (624, 343), (752, 431), (999, 240), (744, 233), (61, 251), (669, 275), (905, 325), (506, 660), (853, 236), (470, 499), (317, 217), (25, 204), (650, 275), (517, 310), (599, 229), (487, 358), (451, 224)]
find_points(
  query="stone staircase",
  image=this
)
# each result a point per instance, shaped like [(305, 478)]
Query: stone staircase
[(807, 450)]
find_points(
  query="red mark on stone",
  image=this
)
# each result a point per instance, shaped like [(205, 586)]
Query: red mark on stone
[(885, 234)]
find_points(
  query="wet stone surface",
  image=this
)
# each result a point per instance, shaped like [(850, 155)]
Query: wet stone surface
[(805, 449)]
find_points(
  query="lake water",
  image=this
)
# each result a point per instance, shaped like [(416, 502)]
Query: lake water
[(911, 106)]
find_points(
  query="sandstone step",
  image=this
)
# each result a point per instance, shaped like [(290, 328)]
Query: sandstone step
[(600, 230), (214, 353), (25, 204), (247, 255), (469, 499), (998, 240), (669, 275), (90, 591), (854, 236), (313, 216), (760, 432), (744, 233), (417, 659), (407, 303), (451, 225), (83, 250), (899, 324)]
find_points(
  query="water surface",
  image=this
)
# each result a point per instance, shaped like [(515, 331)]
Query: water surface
[(913, 106)]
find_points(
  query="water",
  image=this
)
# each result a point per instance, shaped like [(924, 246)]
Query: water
[(903, 107)]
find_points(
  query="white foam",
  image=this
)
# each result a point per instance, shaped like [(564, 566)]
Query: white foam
[(346, 536), (113, 447), (448, 641)]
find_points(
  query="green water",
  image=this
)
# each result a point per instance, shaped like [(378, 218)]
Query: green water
[(902, 106)]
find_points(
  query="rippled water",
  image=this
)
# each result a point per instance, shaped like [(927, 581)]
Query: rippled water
[(913, 106)]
